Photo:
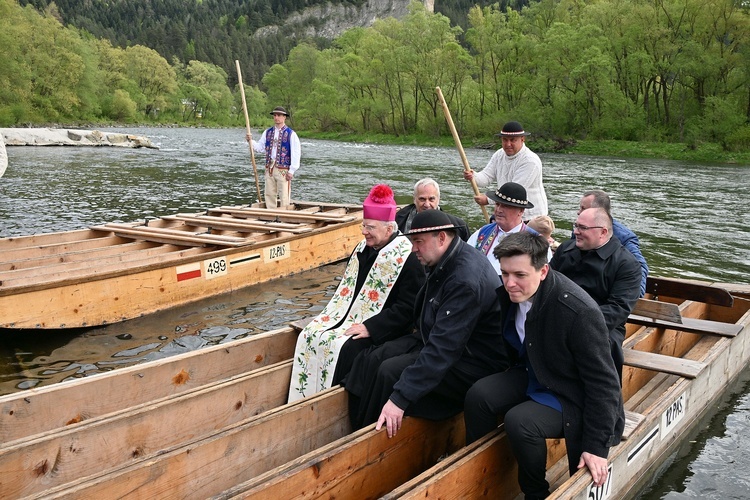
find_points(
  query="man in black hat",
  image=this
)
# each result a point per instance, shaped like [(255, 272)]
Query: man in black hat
[(510, 206), (281, 147), (457, 341), (514, 162)]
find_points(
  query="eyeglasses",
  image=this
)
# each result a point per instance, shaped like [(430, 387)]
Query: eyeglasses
[(581, 227), (368, 227)]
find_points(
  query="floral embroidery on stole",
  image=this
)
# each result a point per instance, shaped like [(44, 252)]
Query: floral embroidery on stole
[(318, 344)]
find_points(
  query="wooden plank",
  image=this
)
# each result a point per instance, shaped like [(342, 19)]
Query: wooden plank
[(632, 421), (94, 260), (208, 466), (46, 409), (168, 231), (152, 233), (237, 225), (691, 325), (654, 309), (485, 468), (687, 290), (284, 215), (662, 363), (366, 464), (54, 459)]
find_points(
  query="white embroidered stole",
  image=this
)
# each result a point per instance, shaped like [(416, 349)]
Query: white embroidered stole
[(319, 342)]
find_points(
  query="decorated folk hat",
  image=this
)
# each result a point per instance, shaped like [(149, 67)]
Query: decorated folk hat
[(512, 194), (279, 110), (430, 220), (512, 129), (380, 204)]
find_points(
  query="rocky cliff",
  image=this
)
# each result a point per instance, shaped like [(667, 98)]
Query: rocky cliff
[(330, 21)]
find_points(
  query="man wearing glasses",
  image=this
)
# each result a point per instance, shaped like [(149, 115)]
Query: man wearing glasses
[(374, 301), (599, 264)]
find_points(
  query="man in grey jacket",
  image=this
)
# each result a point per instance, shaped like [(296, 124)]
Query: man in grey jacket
[(562, 381)]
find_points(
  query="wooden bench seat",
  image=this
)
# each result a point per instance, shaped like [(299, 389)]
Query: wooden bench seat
[(242, 225), (283, 215), (662, 363), (667, 315), (173, 236)]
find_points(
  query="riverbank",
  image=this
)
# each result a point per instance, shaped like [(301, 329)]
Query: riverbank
[(703, 153), (71, 137)]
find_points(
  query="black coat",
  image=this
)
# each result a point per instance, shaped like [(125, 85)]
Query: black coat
[(396, 318), (459, 323), (568, 347)]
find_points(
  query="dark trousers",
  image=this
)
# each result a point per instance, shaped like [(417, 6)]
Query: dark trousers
[(375, 372), (347, 354), (527, 423)]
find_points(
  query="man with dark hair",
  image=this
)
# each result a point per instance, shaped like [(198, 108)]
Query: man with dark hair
[(428, 373), (600, 265), (281, 148), (427, 197), (513, 162), (562, 381), (596, 198)]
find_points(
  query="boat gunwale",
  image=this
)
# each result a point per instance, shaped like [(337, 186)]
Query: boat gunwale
[(212, 251)]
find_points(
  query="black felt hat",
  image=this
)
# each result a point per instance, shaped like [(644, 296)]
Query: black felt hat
[(279, 109), (427, 221), (512, 129), (512, 194)]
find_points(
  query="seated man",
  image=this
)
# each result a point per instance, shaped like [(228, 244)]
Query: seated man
[(427, 374), (373, 303), (427, 197), (510, 203), (599, 199), (599, 264), (562, 382)]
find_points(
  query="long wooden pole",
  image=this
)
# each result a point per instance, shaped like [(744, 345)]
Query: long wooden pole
[(460, 147), (247, 127)]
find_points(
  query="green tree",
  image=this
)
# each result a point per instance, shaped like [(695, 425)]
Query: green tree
[(155, 79)]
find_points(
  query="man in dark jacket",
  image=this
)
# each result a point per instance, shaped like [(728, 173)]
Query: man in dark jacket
[(599, 264), (562, 381), (596, 198), (427, 374)]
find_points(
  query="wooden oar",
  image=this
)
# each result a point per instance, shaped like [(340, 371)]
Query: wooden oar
[(247, 127), (460, 147)]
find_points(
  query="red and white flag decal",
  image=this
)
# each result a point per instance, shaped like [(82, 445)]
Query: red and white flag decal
[(189, 271)]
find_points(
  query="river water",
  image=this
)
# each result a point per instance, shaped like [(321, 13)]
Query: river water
[(693, 221)]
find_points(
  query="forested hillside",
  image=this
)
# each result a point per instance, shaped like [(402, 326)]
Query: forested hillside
[(214, 31), (657, 70)]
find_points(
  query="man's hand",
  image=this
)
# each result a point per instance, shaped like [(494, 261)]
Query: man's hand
[(481, 199), (248, 138), (357, 331), (597, 466), (468, 174), (391, 415), (289, 176)]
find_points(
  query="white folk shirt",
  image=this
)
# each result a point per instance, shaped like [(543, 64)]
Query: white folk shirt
[(524, 168), (259, 146)]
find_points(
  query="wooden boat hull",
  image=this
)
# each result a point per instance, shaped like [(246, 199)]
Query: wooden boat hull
[(305, 449), (84, 287)]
